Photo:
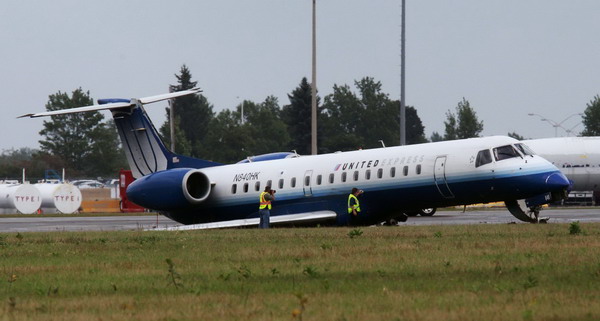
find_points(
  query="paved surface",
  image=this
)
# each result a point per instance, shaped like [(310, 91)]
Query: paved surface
[(32, 223), (502, 216)]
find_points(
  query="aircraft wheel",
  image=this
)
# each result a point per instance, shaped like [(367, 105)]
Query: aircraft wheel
[(391, 222), (427, 211)]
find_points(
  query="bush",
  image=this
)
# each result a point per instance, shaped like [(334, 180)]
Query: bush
[(574, 228)]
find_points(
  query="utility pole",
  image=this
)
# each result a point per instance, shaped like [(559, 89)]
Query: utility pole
[(402, 78), (172, 122), (313, 132)]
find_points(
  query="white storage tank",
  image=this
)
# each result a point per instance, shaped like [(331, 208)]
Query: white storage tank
[(19, 198), (59, 198)]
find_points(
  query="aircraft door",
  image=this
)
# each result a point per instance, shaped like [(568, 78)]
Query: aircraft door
[(439, 175), (306, 183)]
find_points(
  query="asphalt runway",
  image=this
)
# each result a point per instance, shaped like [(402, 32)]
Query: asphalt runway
[(32, 223)]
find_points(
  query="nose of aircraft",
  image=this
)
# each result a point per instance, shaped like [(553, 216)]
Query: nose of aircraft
[(557, 181)]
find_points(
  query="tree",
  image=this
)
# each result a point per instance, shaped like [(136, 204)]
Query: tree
[(227, 140), (436, 137), (379, 119), (415, 131), (297, 117), (263, 132), (107, 157), (450, 126), (342, 116), (264, 123), (362, 120), (182, 145), (193, 114), (516, 136), (591, 118), (464, 124), (82, 141)]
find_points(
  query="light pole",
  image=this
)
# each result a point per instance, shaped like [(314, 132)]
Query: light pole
[(172, 121), (242, 110), (556, 125), (313, 91), (402, 83)]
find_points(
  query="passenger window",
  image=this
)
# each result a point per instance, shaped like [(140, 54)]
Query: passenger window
[(281, 183), (257, 186), (344, 177), (307, 181), (319, 179), (483, 157), (380, 173), (393, 172), (405, 171), (233, 188), (331, 178), (270, 183), (245, 187), (356, 175), (293, 183), (368, 174), (505, 152), (419, 169)]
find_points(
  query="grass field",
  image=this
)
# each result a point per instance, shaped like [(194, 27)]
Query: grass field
[(474, 272)]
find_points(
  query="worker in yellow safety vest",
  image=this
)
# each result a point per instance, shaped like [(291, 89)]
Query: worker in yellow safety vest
[(264, 209), (354, 204)]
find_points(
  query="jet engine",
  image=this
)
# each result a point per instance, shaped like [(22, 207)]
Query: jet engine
[(170, 189)]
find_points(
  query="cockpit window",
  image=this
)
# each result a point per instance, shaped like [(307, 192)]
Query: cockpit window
[(505, 152), (483, 157), (524, 149)]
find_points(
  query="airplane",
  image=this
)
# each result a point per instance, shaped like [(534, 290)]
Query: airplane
[(576, 157), (314, 189)]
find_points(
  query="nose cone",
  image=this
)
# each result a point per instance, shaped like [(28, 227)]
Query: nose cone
[(557, 182)]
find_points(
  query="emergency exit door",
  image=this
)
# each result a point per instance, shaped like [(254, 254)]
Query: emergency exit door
[(439, 175), (307, 183)]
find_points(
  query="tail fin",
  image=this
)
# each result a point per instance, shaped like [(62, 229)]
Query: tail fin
[(145, 151)]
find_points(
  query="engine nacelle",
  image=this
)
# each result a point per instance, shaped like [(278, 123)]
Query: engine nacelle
[(170, 189)]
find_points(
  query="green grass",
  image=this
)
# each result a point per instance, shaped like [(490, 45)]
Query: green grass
[(474, 272)]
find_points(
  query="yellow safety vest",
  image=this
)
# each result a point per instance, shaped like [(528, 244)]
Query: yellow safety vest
[(263, 202), (356, 207)]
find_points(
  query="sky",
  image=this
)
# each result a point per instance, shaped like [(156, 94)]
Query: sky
[(507, 58)]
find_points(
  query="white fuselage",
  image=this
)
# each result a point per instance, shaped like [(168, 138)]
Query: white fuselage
[(576, 157), (410, 176)]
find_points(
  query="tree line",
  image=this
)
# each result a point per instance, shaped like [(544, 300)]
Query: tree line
[(349, 118)]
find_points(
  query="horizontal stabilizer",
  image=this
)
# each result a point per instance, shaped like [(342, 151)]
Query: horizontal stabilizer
[(78, 110), (145, 100), (279, 219), (153, 99)]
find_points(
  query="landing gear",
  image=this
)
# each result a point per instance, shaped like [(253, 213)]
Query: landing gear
[(394, 221), (423, 212), (427, 211), (519, 209)]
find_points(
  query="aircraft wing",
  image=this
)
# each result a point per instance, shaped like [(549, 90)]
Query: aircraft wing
[(279, 219)]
